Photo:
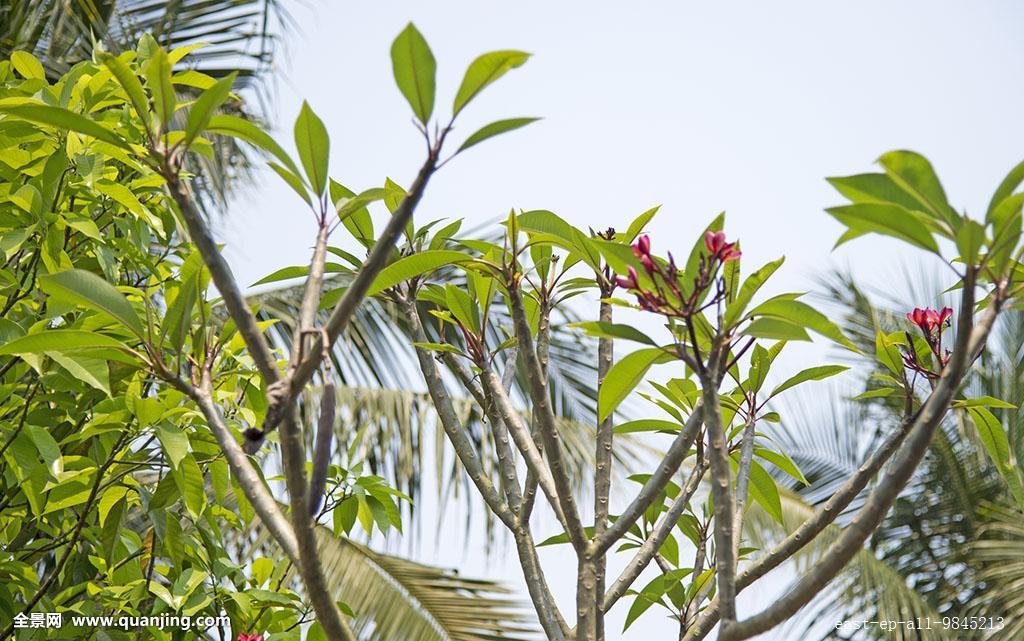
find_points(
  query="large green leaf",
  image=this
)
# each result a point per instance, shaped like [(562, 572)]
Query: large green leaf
[(803, 315), (64, 119), (889, 220), (624, 376), (415, 71), (158, 76), (201, 111), (56, 340), (314, 147), (415, 265), (91, 291), (485, 70), (912, 172)]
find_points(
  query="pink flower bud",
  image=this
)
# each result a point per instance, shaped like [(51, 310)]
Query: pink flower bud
[(642, 246), (630, 281)]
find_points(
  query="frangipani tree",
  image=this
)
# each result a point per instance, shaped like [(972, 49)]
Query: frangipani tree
[(720, 336)]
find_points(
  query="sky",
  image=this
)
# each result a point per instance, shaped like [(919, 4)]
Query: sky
[(699, 107)]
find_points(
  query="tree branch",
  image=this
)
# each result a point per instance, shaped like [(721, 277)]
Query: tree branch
[(646, 552), (450, 422), (538, 386), (495, 395), (220, 272), (970, 340), (724, 509), (655, 484)]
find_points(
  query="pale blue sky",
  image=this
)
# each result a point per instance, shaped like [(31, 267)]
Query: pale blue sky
[(697, 106)]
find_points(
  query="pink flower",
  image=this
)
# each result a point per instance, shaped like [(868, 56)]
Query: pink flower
[(243, 636), (630, 281), (723, 251), (928, 319)]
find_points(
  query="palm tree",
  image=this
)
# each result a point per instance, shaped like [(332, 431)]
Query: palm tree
[(953, 545)]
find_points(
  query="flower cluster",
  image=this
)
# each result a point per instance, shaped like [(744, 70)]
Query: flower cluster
[(667, 296), (932, 324), (243, 636)]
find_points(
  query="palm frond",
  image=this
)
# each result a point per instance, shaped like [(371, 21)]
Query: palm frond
[(395, 598), (240, 34)]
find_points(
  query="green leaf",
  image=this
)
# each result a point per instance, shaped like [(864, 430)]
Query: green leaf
[(93, 371), (804, 315), (494, 129), (776, 328), (193, 489), (782, 462), (59, 340), (624, 376), (559, 539), (547, 222), (984, 401), (415, 71), (131, 84), (175, 443), (64, 119), (353, 205), (888, 220), (611, 330), (415, 265), (640, 223), (462, 307), (158, 77), (647, 425), (1006, 188), (887, 353), (243, 129), (293, 181), (285, 273), (178, 320), (809, 374), (485, 70), (875, 393), (201, 111), (111, 496), (735, 309), (873, 188), (993, 436), (915, 175), (28, 65), (764, 491), (91, 291), (314, 147)]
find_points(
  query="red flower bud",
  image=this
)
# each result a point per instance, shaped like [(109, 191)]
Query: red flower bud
[(630, 281), (642, 247), (648, 263), (243, 636), (945, 315)]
